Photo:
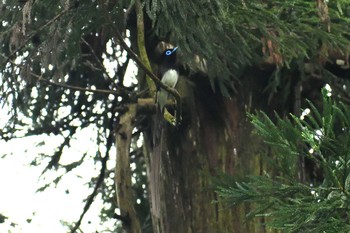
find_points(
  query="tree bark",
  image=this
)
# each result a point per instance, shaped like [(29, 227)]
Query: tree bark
[(214, 138)]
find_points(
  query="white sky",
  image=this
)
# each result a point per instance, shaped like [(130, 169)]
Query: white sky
[(19, 181)]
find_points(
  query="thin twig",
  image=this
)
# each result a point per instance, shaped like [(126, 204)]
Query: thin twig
[(34, 33), (100, 63), (41, 79), (91, 197), (100, 178), (75, 87)]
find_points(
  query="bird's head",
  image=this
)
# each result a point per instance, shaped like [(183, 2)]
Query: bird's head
[(166, 58), (169, 55), (170, 52)]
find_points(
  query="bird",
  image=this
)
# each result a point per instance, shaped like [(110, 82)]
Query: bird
[(169, 74)]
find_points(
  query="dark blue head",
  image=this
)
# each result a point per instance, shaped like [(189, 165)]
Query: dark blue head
[(169, 57), (167, 61), (169, 52)]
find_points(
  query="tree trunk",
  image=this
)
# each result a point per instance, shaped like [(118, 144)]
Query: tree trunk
[(214, 138)]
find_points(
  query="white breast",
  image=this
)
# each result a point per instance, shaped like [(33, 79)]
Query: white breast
[(170, 78)]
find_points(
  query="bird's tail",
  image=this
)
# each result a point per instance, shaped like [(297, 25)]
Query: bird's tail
[(156, 162)]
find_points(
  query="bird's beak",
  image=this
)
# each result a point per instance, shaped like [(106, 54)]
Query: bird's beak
[(174, 49)]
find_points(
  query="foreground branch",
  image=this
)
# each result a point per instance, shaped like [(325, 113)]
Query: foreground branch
[(125, 196)]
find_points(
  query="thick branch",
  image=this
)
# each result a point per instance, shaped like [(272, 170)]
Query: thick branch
[(142, 47), (146, 106), (125, 196)]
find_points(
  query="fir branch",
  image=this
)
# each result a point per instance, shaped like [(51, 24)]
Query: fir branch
[(99, 62), (41, 79), (59, 15), (291, 204), (103, 91)]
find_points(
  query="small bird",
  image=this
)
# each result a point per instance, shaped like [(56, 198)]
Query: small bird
[(169, 75)]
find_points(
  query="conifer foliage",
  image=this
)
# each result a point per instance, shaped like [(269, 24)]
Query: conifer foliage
[(54, 80), (316, 203)]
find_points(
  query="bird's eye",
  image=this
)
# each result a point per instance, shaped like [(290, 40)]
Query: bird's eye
[(168, 52)]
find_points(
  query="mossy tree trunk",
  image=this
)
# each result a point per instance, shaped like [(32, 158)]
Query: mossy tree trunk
[(215, 138)]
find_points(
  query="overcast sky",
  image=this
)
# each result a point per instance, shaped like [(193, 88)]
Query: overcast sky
[(19, 181)]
